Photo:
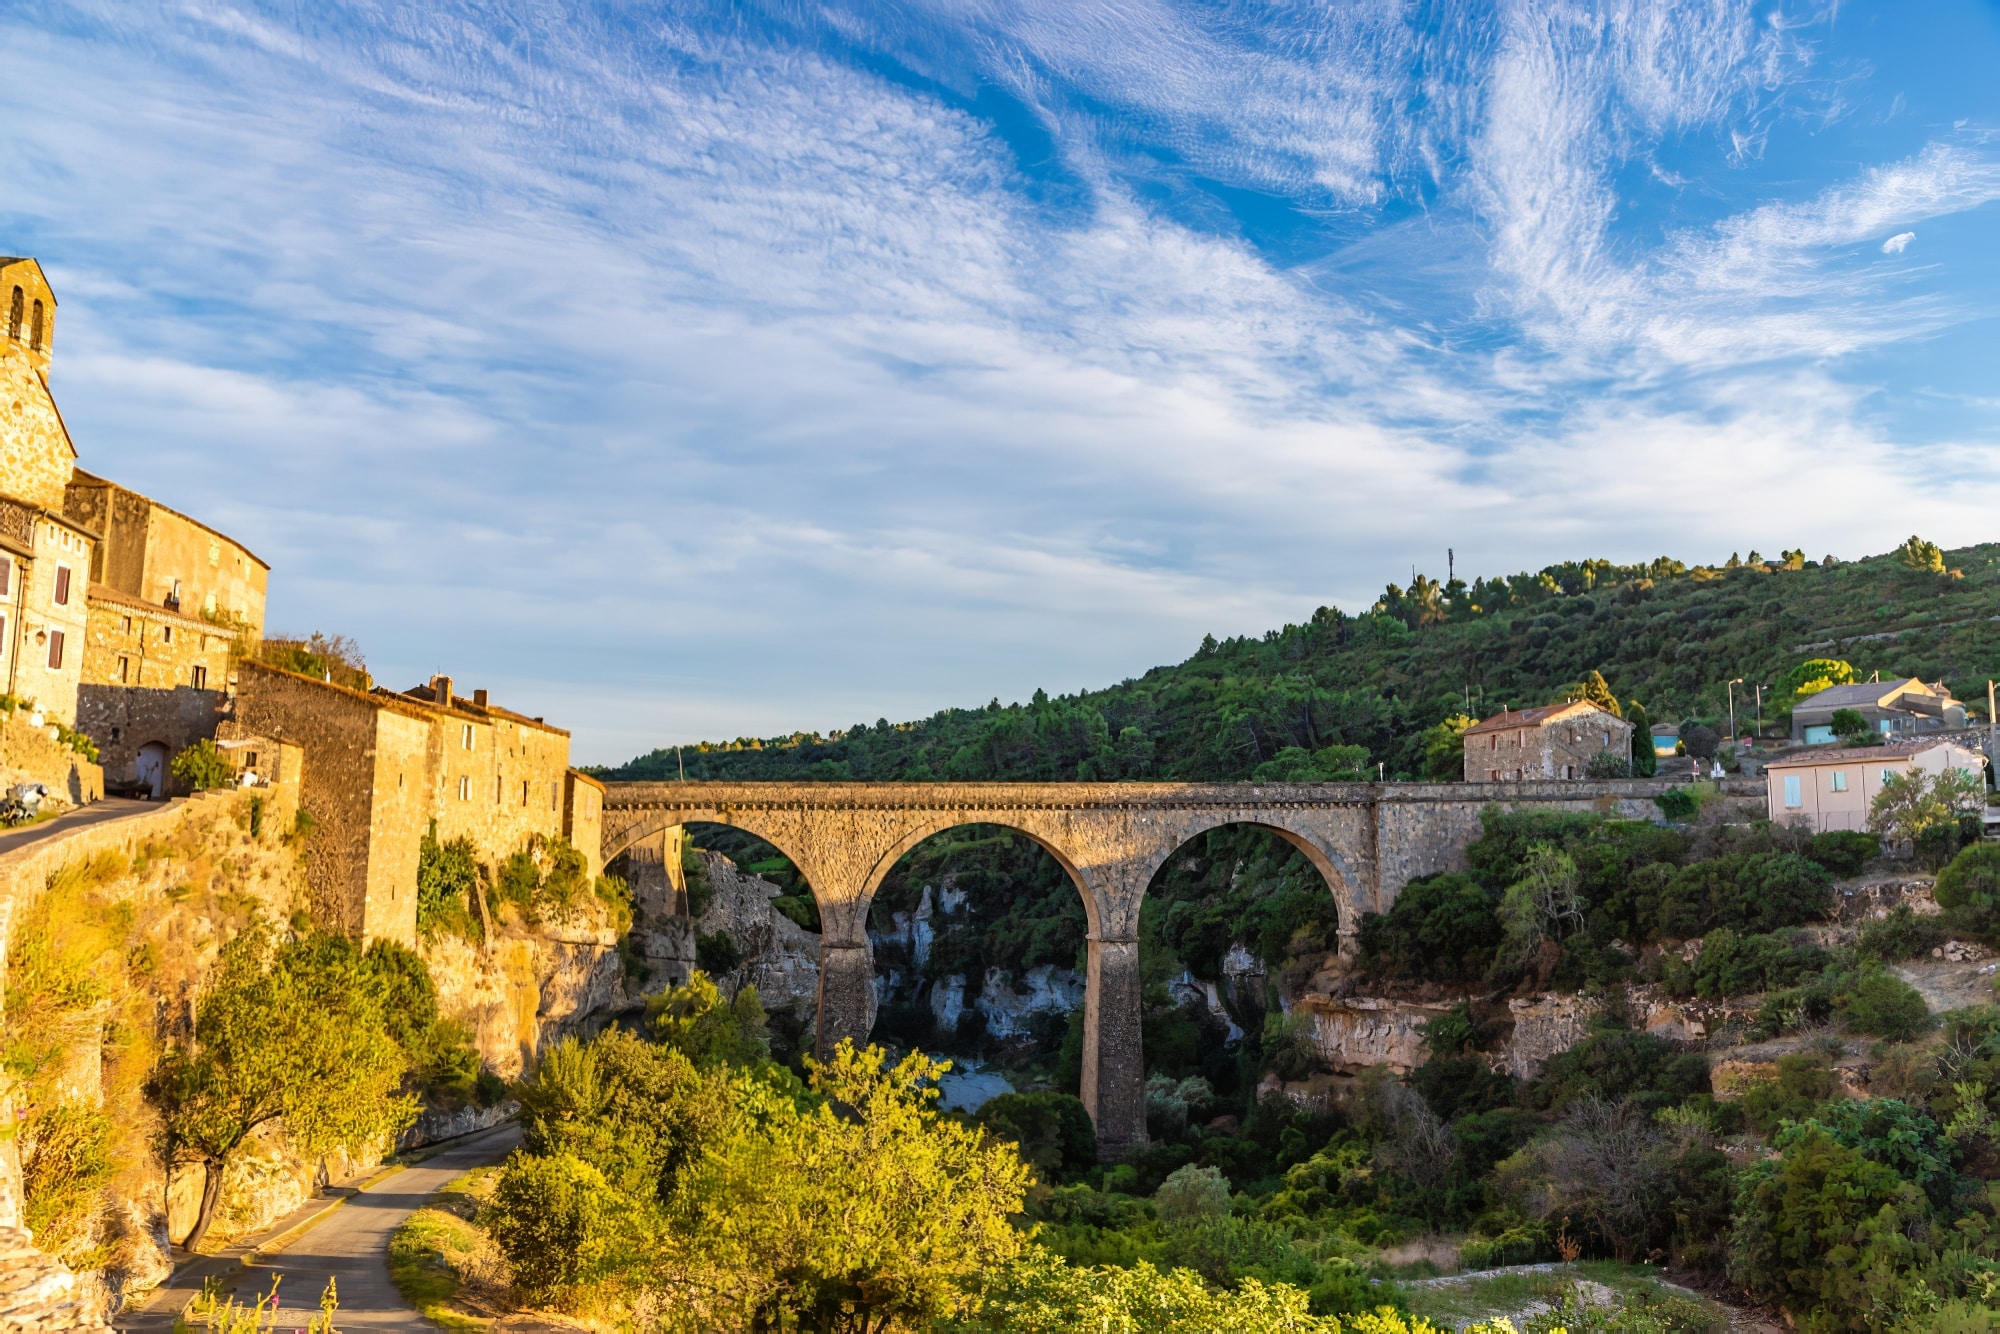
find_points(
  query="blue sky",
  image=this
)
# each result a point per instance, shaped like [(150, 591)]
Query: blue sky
[(694, 371)]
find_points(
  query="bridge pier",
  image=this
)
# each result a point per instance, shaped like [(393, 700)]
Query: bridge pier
[(1114, 1066), (846, 994)]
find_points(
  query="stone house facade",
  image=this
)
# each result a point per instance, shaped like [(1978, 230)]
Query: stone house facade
[(45, 557), (379, 767), (1554, 741)]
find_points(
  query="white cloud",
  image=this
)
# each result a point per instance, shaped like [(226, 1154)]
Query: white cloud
[(676, 382), (1898, 243)]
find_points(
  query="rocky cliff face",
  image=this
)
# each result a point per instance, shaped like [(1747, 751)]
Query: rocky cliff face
[(777, 955), (528, 988)]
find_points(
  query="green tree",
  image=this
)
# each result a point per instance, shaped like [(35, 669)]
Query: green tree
[(1850, 726), (1593, 689), (1444, 928), (1920, 557), (202, 767), (696, 1021), (866, 1210), (1645, 760), (1826, 1233), (290, 1032), (1969, 888), (1444, 749), (447, 878), (1809, 678), (1922, 806), (1543, 904), (551, 1218)]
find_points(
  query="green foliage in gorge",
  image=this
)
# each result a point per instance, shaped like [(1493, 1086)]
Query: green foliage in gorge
[(447, 878)]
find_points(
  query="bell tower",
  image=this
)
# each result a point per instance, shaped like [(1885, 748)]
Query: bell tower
[(29, 309)]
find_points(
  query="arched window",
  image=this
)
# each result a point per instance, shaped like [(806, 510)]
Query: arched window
[(35, 327), (14, 313)]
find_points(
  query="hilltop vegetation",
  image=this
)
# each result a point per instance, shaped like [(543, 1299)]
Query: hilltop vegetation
[(1339, 694)]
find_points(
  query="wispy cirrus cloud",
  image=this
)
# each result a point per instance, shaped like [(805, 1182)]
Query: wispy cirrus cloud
[(734, 369)]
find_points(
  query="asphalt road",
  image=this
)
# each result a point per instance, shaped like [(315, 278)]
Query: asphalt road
[(351, 1244), (98, 812)]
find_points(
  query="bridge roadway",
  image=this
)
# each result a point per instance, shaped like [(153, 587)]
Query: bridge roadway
[(1367, 839)]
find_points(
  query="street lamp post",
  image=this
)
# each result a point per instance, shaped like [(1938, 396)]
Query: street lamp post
[(1760, 706)]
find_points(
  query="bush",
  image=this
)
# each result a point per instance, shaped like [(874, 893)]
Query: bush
[(447, 878), (1608, 764), (547, 1216), (1442, 927), (1843, 851), (1851, 727), (1192, 1192), (1883, 1005), (202, 767), (1733, 965), (1616, 1065), (1825, 1233), (1052, 1132), (717, 954), (1677, 804), (1969, 888), (1900, 935), (1753, 892)]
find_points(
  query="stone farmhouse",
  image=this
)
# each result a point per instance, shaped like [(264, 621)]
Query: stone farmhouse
[(1549, 741), (131, 622)]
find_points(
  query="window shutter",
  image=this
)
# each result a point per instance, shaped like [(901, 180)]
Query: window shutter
[(62, 585), (55, 648), (6, 576)]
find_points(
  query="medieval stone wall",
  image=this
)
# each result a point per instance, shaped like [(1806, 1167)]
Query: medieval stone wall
[(123, 721), (28, 754)]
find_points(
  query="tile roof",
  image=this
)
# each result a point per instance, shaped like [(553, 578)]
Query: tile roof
[(1508, 719), (1866, 693), (1895, 750)]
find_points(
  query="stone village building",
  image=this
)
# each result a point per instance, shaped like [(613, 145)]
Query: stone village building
[(1549, 741), (128, 620)]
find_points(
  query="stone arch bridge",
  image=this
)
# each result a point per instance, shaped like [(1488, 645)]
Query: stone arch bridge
[(1367, 839)]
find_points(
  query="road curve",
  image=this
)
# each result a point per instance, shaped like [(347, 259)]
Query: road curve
[(351, 1244)]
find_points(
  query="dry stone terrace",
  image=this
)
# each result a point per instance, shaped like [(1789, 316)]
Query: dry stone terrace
[(1367, 839)]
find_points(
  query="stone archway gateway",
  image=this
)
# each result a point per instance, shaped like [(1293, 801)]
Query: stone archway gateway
[(1367, 839)]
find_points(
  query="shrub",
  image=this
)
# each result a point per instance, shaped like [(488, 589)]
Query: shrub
[(694, 1020), (447, 878), (716, 953), (1051, 1131), (1733, 965), (1677, 804), (1843, 851), (1441, 927), (548, 1218), (1969, 888), (1192, 1192), (1804, 1083), (202, 767), (1825, 1233), (1884, 1006), (1900, 935), (1924, 808), (1608, 764), (1851, 727), (1616, 1065), (1754, 892)]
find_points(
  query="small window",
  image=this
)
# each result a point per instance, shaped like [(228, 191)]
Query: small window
[(15, 311), (35, 327), (250, 760), (465, 789), (124, 670), (524, 791), (499, 787), (1886, 773), (62, 585), (1840, 780), (6, 576), (199, 678), (55, 648), (166, 634), (1793, 800), (465, 736), (128, 625)]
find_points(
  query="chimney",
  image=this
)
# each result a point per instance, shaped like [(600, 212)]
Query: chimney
[(441, 689), (479, 698)]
